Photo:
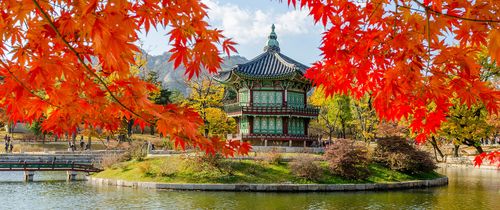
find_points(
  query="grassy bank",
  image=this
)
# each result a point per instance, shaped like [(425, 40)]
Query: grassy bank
[(179, 169)]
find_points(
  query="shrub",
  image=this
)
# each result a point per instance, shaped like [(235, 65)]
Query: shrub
[(110, 160), (136, 151), (146, 169), (348, 160), (273, 157), (169, 168), (217, 162), (399, 155), (305, 166)]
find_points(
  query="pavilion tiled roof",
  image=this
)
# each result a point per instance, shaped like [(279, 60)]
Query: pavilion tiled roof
[(269, 65)]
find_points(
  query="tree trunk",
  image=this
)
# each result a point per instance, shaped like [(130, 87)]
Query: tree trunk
[(436, 148), (330, 137), (455, 150), (89, 144), (73, 138), (343, 131), (479, 149), (474, 144), (129, 127), (152, 129)]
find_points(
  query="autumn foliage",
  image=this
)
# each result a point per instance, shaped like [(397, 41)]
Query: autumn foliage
[(412, 56), (69, 61)]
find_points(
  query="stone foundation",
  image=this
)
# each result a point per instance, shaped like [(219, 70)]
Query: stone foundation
[(273, 187)]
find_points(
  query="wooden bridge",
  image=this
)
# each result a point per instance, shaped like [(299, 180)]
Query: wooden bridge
[(30, 163), (47, 166)]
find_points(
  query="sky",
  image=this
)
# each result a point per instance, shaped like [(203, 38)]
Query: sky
[(249, 22)]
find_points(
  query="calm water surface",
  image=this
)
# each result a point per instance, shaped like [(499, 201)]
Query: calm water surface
[(468, 189)]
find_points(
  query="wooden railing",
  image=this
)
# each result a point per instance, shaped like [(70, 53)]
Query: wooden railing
[(283, 137), (276, 109), (46, 166)]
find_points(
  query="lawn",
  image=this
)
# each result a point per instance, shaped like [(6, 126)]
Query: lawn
[(181, 169)]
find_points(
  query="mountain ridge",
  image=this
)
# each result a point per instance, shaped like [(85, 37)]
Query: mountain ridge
[(173, 79)]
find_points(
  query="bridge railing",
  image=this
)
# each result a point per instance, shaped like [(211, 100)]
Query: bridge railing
[(46, 166)]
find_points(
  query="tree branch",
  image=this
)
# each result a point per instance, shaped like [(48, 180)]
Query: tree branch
[(80, 59), (427, 8), (30, 90)]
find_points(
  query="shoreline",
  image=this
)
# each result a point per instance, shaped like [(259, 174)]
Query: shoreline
[(470, 166), (442, 181)]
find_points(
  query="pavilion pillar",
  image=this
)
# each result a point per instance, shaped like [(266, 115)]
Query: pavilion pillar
[(306, 126), (290, 143), (265, 143), (285, 125), (305, 143), (251, 97), (238, 128), (285, 98), (28, 176), (71, 175), (250, 121), (305, 98)]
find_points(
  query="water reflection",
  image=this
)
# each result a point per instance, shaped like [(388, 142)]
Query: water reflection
[(468, 189)]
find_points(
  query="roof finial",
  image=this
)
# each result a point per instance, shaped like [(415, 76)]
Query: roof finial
[(272, 42)]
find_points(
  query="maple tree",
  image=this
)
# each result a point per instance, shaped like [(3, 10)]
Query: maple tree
[(69, 61), (412, 56), (395, 50)]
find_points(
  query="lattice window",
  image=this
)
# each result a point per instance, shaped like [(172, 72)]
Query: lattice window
[(256, 124), (243, 97), (279, 125), (279, 98), (264, 126), (272, 128), (244, 126)]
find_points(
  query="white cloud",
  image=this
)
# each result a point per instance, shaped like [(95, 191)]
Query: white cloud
[(252, 26)]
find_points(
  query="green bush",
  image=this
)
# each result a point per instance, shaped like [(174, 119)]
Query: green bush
[(146, 168), (209, 162), (306, 167), (111, 160), (398, 154), (169, 168), (348, 160), (136, 151), (273, 157)]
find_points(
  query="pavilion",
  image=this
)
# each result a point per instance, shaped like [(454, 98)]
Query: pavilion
[(269, 99)]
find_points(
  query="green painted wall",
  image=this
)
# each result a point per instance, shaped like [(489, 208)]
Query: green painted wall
[(244, 125), (267, 98), (268, 125), (295, 99), (296, 126), (244, 97)]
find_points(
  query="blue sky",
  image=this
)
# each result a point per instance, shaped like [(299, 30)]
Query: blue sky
[(248, 22)]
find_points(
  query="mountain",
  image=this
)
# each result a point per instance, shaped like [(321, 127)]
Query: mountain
[(174, 79)]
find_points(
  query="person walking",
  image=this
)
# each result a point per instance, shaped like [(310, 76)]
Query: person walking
[(6, 146), (11, 146), (82, 144)]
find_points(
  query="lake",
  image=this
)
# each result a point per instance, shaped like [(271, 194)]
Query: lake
[(467, 189)]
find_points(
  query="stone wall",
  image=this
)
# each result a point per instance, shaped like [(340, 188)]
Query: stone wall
[(273, 187), (288, 149)]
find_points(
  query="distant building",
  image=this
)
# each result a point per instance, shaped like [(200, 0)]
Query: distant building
[(269, 100)]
